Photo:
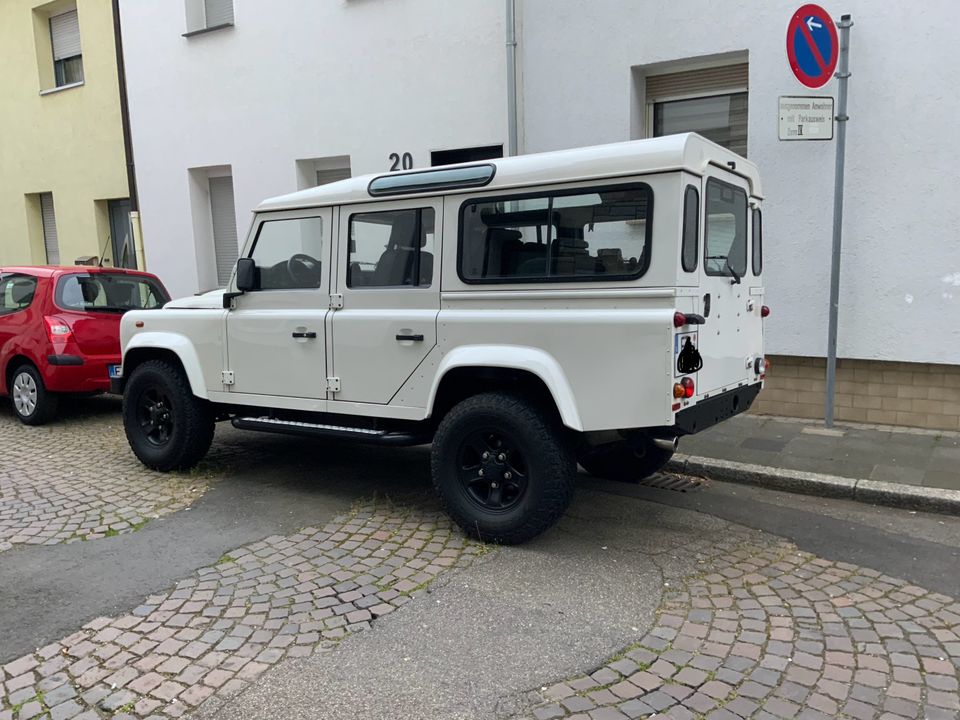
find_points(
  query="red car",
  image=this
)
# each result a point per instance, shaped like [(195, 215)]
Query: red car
[(60, 331)]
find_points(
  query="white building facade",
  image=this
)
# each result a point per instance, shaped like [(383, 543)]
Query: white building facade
[(232, 102)]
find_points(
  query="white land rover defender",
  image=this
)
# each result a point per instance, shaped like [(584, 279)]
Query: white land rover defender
[(522, 315)]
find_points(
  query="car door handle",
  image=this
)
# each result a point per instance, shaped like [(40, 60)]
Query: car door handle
[(414, 338), (307, 335)]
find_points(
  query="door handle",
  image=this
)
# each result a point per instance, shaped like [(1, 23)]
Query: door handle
[(414, 338), (307, 335)]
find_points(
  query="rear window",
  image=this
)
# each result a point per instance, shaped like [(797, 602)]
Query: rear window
[(725, 242), (108, 292), (586, 234), (16, 293)]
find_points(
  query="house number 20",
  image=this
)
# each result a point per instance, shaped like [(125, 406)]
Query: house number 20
[(398, 161)]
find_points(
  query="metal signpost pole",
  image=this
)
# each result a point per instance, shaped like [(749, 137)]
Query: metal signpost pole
[(843, 74)]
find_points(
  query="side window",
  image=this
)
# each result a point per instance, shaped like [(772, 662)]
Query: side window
[(757, 242), (691, 229), (393, 248), (16, 293), (593, 234), (725, 234), (288, 252)]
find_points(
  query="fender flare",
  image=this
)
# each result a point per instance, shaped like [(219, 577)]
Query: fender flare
[(514, 357), (180, 346)]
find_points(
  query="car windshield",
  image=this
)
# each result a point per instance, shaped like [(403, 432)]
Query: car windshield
[(109, 292)]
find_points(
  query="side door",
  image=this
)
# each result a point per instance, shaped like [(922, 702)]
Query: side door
[(388, 273), (724, 344), (276, 338)]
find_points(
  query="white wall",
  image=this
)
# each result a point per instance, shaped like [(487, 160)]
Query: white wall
[(900, 284), (295, 80)]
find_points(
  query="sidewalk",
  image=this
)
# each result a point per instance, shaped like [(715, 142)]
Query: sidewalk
[(863, 461)]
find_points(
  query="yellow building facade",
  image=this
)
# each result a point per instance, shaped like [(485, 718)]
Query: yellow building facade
[(63, 181)]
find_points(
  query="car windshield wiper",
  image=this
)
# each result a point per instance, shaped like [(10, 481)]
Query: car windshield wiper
[(726, 266)]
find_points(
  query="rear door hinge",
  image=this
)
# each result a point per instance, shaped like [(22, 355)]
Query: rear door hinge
[(333, 384), (227, 376), (336, 301)]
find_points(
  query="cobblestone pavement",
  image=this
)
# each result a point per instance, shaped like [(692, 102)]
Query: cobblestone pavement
[(216, 632), (765, 631), (76, 479)]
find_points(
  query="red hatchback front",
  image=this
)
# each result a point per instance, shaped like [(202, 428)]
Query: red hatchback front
[(60, 331)]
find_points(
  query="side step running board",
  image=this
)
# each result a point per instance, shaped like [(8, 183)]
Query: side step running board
[(363, 435)]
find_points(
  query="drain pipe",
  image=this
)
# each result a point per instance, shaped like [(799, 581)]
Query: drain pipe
[(511, 77)]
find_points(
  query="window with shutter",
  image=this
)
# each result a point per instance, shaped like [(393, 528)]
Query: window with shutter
[(67, 56), (710, 101), (332, 175), (224, 217), (49, 218), (218, 12)]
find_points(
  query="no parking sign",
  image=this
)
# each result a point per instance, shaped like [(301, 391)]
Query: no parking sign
[(812, 45)]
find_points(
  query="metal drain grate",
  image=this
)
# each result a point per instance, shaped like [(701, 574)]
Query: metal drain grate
[(676, 483)]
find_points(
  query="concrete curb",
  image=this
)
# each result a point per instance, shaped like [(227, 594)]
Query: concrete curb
[(899, 495)]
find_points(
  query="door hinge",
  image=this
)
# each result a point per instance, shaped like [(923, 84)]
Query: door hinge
[(227, 376), (333, 384), (336, 301)]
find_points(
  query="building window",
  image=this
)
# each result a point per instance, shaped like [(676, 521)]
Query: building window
[(391, 249), (204, 15), (49, 218), (464, 155), (711, 102), (67, 58), (587, 234), (224, 220)]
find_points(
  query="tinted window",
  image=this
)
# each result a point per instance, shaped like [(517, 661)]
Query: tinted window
[(583, 235), (287, 253), (725, 236), (391, 249), (757, 242), (16, 293), (107, 292), (691, 228)]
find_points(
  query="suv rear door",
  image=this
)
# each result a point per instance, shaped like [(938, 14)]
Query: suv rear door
[(724, 344), (388, 273)]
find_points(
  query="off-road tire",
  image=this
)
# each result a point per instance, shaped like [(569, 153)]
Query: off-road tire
[(624, 462), (548, 459), (192, 418), (46, 401)]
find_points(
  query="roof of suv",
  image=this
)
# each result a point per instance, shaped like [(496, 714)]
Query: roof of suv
[(47, 271), (689, 151)]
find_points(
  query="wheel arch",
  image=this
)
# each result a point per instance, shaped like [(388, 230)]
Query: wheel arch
[(469, 370), (171, 347), (13, 363)]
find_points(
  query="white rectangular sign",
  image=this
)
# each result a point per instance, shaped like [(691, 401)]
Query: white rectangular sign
[(806, 118)]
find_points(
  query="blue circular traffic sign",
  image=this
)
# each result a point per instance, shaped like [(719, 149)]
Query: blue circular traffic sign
[(812, 45)]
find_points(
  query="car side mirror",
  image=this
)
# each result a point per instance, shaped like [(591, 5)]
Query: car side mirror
[(246, 274)]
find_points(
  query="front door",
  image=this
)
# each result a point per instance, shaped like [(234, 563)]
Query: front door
[(724, 283), (276, 338), (124, 253), (388, 272)]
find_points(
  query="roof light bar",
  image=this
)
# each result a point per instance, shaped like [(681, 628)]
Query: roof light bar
[(427, 180)]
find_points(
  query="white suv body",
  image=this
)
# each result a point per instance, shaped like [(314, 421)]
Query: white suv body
[(614, 291)]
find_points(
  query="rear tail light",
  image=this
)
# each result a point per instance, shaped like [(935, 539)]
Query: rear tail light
[(679, 319), (764, 311), (678, 391), (687, 384), (57, 329)]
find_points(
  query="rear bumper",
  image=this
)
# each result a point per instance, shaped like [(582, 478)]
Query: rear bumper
[(64, 374), (713, 410)]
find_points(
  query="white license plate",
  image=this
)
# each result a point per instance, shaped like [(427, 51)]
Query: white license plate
[(116, 371)]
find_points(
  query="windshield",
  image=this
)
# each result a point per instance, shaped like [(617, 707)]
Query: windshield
[(108, 292)]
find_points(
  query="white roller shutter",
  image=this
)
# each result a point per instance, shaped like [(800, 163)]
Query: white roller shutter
[(329, 176), (224, 218), (218, 12), (65, 35), (50, 243)]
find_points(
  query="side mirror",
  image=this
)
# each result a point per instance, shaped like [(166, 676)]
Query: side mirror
[(246, 274)]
